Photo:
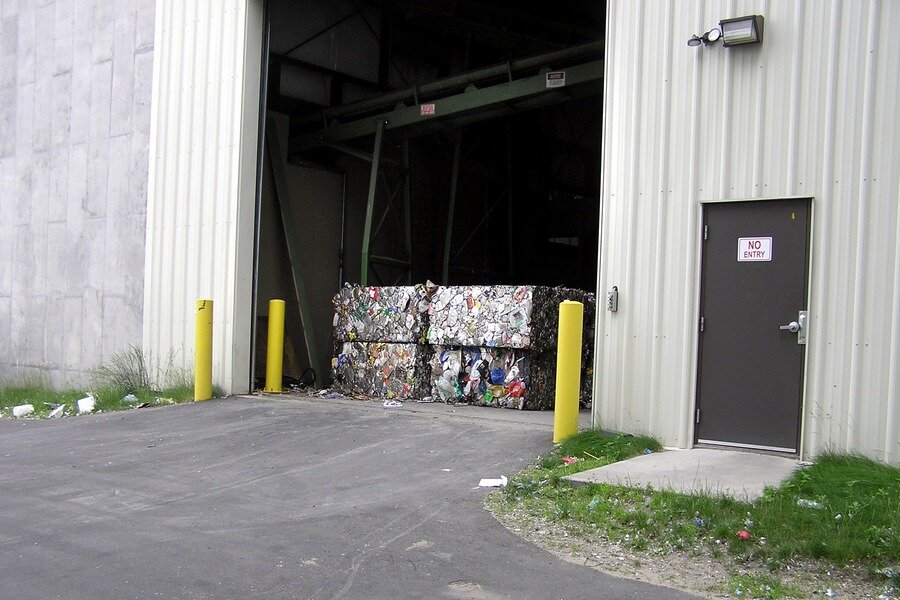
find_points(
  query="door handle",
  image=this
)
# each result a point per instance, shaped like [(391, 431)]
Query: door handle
[(799, 326)]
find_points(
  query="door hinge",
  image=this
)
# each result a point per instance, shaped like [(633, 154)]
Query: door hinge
[(697, 416), (702, 323), (705, 232)]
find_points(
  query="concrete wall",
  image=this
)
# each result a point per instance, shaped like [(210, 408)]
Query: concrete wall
[(75, 83)]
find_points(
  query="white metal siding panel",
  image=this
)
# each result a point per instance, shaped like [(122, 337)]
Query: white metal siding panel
[(201, 193), (812, 112)]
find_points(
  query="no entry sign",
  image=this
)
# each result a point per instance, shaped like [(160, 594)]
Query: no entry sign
[(754, 249)]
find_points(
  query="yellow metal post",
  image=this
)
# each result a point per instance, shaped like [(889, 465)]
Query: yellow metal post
[(203, 350), (568, 371), (275, 346)]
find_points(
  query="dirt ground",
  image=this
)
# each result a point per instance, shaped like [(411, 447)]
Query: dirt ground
[(696, 572)]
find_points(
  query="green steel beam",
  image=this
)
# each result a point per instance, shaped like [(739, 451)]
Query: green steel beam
[(292, 237), (520, 94), (451, 206), (370, 205)]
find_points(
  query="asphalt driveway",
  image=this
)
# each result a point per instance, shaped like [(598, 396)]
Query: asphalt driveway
[(272, 498)]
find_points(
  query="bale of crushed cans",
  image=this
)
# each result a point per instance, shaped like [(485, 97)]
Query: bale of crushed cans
[(381, 369), (486, 345), (380, 314), (496, 345)]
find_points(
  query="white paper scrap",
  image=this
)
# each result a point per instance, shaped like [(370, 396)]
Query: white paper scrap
[(486, 482)]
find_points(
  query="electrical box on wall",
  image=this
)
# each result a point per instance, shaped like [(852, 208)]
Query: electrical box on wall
[(612, 299)]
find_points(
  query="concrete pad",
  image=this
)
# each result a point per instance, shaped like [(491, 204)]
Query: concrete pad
[(739, 475)]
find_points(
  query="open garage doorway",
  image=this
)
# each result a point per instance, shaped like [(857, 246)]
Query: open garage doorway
[(412, 140)]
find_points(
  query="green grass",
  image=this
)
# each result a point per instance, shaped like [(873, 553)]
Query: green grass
[(761, 586), (858, 522), (108, 398), (128, 372)]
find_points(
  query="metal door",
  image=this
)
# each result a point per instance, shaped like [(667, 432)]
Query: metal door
[(753, 323)]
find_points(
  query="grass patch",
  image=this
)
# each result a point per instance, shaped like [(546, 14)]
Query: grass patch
[(854, 518), (767, 587), (127, 374)]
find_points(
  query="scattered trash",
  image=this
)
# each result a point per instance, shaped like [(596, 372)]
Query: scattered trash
[(446, 470), (87, 404), (762, 541), (57, 412), (22, 410), (698, 520), (569, 460), (648, 451), (130, 398), (425, 400), (391, 404), (165, 401), (501, 482), (838, 517), (143, 405), (808, 503), (743, 534), (748, 522), (595, 502), (830, 593)]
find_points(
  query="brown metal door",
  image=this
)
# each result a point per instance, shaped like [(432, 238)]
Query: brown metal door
[(753, 287)]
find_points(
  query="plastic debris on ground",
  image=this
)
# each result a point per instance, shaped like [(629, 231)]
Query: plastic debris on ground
[(86, 404), (57, 412), (391, 404), (487, 482), (569, 460), (130, 398), (23, 410), (808, 503), (381, 370)]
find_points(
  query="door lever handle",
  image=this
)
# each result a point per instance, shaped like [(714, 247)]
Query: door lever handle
[(793, 327)]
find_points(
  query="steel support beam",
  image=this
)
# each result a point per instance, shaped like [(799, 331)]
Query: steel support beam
[(370, 204), (451, 206), (407, 212), (530, 92), (292, 237)]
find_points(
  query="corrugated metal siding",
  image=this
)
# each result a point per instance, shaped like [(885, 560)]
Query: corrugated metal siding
[(812, 112), (201, 192)]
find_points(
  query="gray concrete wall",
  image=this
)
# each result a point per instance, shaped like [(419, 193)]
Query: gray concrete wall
[(75, 88)]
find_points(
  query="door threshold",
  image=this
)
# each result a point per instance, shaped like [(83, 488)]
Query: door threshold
[(739, 446)]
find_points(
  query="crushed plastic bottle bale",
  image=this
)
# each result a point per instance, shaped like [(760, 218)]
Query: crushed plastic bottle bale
[(480, 376), (381, 369), (380, 314)]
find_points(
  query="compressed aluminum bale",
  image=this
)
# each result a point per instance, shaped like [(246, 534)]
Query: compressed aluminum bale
[(381, 369), (380, 314), (481, 316)]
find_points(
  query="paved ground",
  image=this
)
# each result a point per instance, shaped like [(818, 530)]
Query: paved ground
[(260, 498), (740, 475)]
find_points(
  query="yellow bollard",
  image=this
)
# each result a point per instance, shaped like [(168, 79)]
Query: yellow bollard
[(275, 346), (568, 371), (203, 351)]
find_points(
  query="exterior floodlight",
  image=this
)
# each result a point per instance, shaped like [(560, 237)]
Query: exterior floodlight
[(710, 37), (742, 30)]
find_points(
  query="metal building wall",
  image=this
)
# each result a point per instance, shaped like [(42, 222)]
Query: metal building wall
[(201, 196), (812, 113)]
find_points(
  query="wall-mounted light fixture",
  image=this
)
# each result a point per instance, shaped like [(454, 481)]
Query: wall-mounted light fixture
[(732, 32)]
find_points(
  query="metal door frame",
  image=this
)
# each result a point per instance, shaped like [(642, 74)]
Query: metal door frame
[(698, 270)]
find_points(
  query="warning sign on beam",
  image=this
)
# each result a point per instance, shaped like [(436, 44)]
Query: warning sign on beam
[(426, 110), (556, 79), (754, 249)]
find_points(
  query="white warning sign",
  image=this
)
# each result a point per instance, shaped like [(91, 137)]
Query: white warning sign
[(754, 249)]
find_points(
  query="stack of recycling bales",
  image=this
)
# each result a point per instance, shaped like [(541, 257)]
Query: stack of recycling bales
[(496, 345), (379, 337)]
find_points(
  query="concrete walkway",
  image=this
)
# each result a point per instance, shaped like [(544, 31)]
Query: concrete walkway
[(739, 475)]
